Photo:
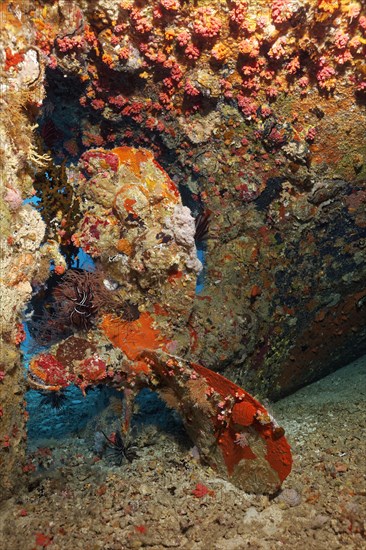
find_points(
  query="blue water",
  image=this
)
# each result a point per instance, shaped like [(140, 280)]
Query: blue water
[(201, 255)]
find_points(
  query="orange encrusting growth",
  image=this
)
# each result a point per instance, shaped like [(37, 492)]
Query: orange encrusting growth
[(244, 413), (223, 386), (278, 455), (124, 245), (132, 337), (132, 157), (129, 204), (231, 451)]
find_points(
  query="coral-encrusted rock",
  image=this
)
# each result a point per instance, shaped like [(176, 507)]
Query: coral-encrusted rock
[(140, 233), (21, 231), (20, 256)]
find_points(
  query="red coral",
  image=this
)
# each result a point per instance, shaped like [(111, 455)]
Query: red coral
[(124, 53), (20, 335), (12, 60), (176, 72), (238, 12), (303, 82), (183, 38), (49, 370), (166, 101), (52, 62), (247, 106), (281, 11), (45, 37), (206, 25), (249, 47), (325, 74), (190, 89), (271, 92), (341, 39), (265, 111), (201, 491), (170, 5), (118, 100), (293, 66), (361, 86), (98, 104), (278, 49), (192, 52), (141, 23), (68, 43), (344, 57), (92, 369)]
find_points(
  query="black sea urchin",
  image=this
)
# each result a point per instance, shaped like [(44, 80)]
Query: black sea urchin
[(54, 399), (118, 449)]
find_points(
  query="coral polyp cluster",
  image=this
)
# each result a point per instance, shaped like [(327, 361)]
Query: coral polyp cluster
[(259, 49)]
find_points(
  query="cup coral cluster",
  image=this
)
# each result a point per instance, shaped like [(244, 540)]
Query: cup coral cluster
[(270, 48)]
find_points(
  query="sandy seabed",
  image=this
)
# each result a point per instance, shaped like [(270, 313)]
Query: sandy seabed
[(77, 501)]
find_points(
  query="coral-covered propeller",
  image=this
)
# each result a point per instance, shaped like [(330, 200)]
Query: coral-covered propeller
[(233, 432), (129, 322)]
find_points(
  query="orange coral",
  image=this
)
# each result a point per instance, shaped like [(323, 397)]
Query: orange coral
[(132, 337), (134, 159), (123, 245), (220, 52), (12, 60)]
